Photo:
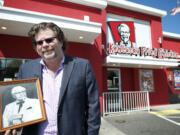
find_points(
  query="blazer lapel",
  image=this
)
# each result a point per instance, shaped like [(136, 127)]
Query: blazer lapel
[(68, 67), (38, 71)]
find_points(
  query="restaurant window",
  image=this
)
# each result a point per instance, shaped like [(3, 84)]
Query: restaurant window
[(9, 68), (113, 80), (146, 80), (176, 74)]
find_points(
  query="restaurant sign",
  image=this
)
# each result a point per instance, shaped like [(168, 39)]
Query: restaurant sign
[(123, 34), (141, 51)]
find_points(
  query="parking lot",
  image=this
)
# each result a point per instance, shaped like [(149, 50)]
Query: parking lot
[(159, 121), (172, 116)]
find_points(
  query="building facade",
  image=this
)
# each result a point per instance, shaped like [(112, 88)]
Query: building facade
[(123, 41)]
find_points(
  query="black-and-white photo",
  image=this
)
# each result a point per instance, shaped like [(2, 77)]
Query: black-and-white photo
[(20, 103)]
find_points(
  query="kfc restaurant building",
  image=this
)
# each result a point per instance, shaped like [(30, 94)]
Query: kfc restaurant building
[(123, 41)]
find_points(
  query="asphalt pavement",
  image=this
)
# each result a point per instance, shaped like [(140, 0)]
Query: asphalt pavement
[(161, 120)]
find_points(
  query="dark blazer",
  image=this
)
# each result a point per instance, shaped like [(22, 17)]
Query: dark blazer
[(79, 108)]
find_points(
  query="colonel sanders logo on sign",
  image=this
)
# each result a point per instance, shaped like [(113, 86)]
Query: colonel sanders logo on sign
[(123, 33)]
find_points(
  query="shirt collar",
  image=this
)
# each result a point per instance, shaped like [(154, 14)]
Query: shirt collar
[(61, 63)]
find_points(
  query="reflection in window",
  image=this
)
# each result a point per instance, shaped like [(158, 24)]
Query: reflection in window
[(113, 79), (9, 68)]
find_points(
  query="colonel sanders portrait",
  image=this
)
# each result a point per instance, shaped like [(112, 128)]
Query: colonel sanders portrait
[(124, 34)]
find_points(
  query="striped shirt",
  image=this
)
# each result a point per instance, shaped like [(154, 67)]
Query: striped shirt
[(51, 89)]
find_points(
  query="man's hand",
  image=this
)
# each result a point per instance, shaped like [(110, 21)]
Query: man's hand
[(12, 131), (8, 132)]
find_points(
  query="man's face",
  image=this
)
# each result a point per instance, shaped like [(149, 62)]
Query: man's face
[(20, 95), (124, 34), (49, 47)]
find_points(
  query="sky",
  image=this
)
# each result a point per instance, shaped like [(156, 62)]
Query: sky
[(170, 23)]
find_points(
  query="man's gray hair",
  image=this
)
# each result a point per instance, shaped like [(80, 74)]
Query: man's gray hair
[(17, 89)]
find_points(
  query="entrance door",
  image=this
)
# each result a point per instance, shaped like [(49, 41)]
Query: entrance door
[(113, 96), (113, 80)]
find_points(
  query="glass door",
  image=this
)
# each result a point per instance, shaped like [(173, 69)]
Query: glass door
[(113, 80), (113, 96)]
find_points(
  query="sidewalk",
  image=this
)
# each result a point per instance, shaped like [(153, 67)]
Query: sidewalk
[(165, 107), (108, 129)]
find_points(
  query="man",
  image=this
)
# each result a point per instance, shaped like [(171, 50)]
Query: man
[(23, 109), (124, 33), (69, 86)]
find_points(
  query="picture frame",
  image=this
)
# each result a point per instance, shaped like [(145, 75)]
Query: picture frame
[(146, 80), (21, 103)]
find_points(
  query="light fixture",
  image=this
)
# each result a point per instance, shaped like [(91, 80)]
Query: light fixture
[(81, 37), (169, 77), (4, 28), (86, 18), (1, 2), (160, 40)]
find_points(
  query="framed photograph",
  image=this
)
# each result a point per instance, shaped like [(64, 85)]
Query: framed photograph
[(21, 103), (146, 81)]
